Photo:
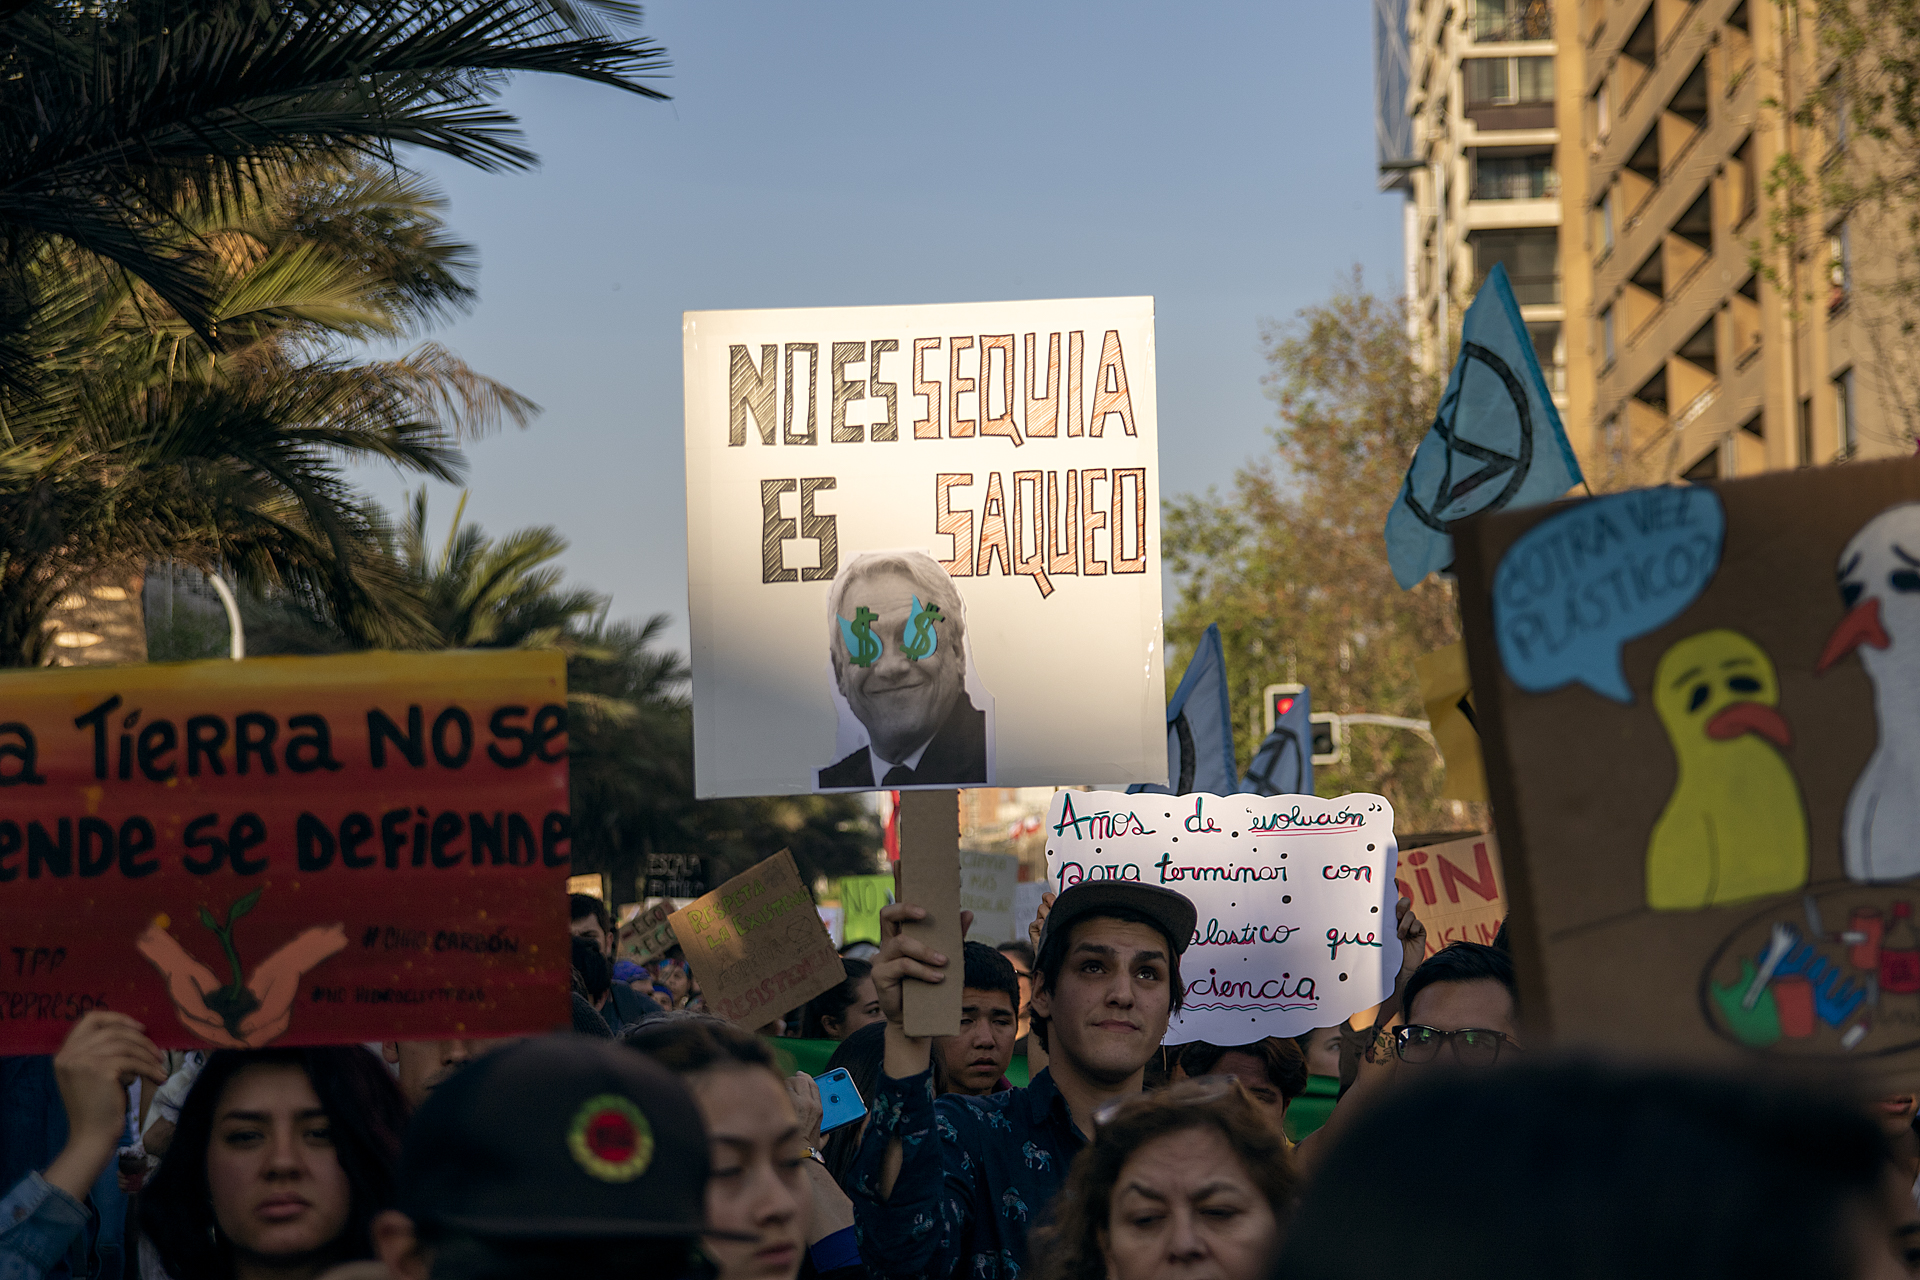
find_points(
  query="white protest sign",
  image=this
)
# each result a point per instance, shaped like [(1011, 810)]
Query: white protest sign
[(1026, 905), (923, 546), (987, 882), (1294, 896)]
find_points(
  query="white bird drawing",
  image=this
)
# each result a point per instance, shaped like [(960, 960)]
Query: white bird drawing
[(1880, 583)]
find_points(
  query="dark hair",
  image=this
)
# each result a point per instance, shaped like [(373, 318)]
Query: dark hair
[(365, 1110), (1285, 1065), (862, 1054), (582, 905), (1461, 962), (988, 970), (596, 975), (458, 1255), (1021, 948), (1583, 1170), (1069, 1248), (834, 1002), (587, 1020), (1053, 957), (685, 1043)]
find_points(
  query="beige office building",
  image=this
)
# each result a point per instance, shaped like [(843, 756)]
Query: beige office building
[(1689, 326)]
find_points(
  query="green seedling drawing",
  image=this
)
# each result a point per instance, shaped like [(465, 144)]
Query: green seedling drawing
[(234, 1001)]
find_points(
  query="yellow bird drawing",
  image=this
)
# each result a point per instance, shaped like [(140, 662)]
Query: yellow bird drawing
[(1736, 827)]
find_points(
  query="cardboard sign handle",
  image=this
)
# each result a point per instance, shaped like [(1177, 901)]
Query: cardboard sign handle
[(930, 878)]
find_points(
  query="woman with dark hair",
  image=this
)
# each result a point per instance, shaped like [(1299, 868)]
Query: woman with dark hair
[(837, 1013), (279, 1163), (1586, 1170), (1187, 1181), (782, 1214), (862, 1054)]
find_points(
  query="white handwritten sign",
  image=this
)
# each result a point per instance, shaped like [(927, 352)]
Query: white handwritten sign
[(1294, 893)]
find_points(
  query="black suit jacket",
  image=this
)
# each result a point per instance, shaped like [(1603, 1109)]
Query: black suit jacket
[(957, 757)]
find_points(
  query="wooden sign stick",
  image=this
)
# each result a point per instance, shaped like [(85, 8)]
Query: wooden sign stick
[(930, 878)]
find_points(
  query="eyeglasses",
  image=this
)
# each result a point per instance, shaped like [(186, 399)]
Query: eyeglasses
[(1472, 1046)]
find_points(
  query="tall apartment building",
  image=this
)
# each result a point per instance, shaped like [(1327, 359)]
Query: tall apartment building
[(1623, 159), (1479, 165), (1700, 345)]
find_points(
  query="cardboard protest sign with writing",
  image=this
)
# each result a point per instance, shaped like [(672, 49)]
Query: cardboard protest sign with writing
[(648, 935), (1295, 898), (987, 882), (1456, 889), (286, 850), (757, 945), (1702, 737), (923, 546)]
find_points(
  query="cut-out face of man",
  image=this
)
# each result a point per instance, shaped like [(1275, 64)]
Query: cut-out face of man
[(902, 700)]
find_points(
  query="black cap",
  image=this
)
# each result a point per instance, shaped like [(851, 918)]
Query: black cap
[(1172, 911), (559, 1138)]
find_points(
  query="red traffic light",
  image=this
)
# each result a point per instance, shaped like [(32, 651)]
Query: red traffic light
[(1282, 703)]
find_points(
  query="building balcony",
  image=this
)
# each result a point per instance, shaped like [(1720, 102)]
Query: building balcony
[(1496, 180), (1510, 21)]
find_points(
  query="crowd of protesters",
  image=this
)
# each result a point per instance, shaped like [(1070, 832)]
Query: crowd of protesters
[(649, 1138)]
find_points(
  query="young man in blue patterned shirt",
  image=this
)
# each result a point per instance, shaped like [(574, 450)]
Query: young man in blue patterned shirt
[(950, 1187)]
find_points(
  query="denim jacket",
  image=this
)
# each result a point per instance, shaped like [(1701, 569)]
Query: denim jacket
[(39, 1224)]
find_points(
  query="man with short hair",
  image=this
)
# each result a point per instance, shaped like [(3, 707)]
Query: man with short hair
[(421, 1066), (562, 1156), (616, 1002), (898, 638), (1463, 1006), (949, 1187), (974, 1062)]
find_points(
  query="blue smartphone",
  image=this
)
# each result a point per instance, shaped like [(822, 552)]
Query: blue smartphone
[(839, 1101)]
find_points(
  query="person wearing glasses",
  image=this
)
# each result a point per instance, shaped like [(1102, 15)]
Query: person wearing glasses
[(1462, 1008)]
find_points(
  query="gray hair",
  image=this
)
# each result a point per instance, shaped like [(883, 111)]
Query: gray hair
[(935, 587)]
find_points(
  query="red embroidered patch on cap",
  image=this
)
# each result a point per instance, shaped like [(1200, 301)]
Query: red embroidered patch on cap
[(611, 1139)]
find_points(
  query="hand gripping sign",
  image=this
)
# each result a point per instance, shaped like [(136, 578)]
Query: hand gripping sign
[(285, 850), (1294, 896)]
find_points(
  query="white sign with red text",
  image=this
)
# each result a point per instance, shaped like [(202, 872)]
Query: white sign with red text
[(1294, 898)]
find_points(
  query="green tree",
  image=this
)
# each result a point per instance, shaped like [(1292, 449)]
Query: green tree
[(199, 216), (1293, 563)]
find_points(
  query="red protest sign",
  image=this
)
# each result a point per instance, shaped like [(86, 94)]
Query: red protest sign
[(285, 850)]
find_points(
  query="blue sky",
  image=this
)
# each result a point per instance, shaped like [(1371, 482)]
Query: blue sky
[(1217, 156)]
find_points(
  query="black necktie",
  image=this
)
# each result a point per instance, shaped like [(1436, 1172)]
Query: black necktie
[(898, 776)]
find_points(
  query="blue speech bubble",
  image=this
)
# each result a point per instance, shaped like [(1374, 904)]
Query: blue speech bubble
[(1580, 584)]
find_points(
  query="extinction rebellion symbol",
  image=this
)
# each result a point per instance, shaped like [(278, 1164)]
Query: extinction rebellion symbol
[(1494, 463)]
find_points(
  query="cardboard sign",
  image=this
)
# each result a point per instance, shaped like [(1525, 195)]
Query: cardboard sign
[(649, 935), (1295, 897), (1457, 889), (757, 945), (286, 850), (1703, 742), (987, 882), (923, 546), (862, 897)]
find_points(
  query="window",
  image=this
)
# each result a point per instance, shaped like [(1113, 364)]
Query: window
[(1839, 268), (1606, 218), (1749, 171), (1498, 176), (1547, 350), (1512, 20), (1603, 111), (1606, 338), (1508, 81), (1806, 431), (1532, 259), (1843, 413)]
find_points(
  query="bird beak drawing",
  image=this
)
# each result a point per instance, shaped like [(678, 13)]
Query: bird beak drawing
[(1750, 717), (1860, 626)]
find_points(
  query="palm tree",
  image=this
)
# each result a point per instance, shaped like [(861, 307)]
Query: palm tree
[(157, 446), (114, 114)]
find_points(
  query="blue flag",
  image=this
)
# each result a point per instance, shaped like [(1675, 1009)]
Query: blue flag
[(1283, 766), (1199, 727), (1497, 441)]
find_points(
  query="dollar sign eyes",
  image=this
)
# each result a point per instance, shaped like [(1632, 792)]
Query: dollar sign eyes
[(920, 639), (863, 647)]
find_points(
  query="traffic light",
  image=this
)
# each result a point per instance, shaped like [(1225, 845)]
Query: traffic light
[(1329, 738), (1281, 766)]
